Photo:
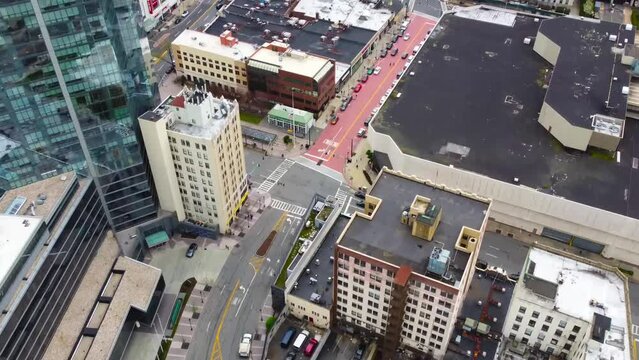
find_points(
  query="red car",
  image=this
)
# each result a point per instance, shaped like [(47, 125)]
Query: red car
[(310, 347), (358, 87), (365, 78)]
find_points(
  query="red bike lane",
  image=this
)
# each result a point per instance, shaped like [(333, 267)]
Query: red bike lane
[(333, 147)]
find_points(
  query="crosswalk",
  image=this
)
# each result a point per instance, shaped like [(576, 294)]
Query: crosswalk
[(276, 175), (341, 196), (290, 208)]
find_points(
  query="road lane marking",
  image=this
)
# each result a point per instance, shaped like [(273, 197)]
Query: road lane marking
[(217, 347), (374, 95)]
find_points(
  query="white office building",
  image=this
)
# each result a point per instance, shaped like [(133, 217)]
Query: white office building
[(194, 145), (569, 309)]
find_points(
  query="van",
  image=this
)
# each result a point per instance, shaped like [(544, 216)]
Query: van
[(300, 339), (415, 49), (287, 338)]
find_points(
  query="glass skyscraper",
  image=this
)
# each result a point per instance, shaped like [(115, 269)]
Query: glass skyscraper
[(73, 83)]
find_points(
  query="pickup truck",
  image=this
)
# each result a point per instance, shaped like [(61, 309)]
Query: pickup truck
[(245, 345)]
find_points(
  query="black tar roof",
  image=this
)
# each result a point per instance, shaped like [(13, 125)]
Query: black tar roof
[(386, 238), (457, 97), (306, 39), (582, 78), (322, 271)]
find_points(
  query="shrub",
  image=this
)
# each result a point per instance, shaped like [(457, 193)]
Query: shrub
[(270, 322), (287, 139)]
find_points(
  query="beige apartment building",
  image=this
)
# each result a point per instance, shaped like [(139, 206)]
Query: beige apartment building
[(214, 61), (408, 291), (193, 141)]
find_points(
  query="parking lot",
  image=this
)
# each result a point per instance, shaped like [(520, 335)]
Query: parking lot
[(339, 347), (275, 351)]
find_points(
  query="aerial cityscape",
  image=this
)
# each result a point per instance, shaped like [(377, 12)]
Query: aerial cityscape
[(319, 179)]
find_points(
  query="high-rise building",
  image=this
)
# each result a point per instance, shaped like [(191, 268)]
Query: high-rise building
[(569, 309), (74, 83), (196, 154), (404, 267)]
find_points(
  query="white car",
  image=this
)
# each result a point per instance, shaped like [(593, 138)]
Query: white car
[(361, 132), (388, 92), (375, 110), (406, 37), (377, 70), (185, 14), (381, 101), (410, 58), (245, 345)]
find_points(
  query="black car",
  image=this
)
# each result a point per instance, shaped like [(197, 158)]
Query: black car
[(191, 251), (291, 355), (394, 52), (389, 46), (368, 120), (395, 37), (360, 194), (359, 353), (178, 20), (383, 53)]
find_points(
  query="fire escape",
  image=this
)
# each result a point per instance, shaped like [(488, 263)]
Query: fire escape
[(392, 338)]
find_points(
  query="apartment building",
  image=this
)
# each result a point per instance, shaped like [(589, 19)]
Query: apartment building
[(194, 145), (279, 74), (569, 309), (404, 265), (214, 61)]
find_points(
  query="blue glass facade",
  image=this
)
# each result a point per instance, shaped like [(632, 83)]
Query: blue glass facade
[(73, 85)]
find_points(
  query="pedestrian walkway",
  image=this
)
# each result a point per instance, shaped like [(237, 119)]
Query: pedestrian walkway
[(259, 341), (275, 176), (188, 322), (250, 212), (341, 196), (290, 208)]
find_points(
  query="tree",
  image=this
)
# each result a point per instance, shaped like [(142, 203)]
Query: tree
[(287, 139), (369, 155), (270, 322)]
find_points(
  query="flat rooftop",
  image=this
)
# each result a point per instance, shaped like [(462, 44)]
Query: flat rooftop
[(479, 90), (250, 26), (371, 237), (582, 79), (16, 233), (293, 61), (130, 285), (211, 43), (585, 290), (349, 12), (323, 271)]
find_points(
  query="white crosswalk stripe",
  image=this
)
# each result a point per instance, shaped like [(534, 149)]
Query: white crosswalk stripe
[(290, 208), (276, 175), (635, 330), (341, 196)]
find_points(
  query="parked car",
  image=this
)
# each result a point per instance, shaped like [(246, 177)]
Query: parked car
[(383, 53), (357, 88), (300, 339), (361, 132), (177, 21), (394, 52), (334, 118), (310, 347), (404, 55), (377, 70), (191, 250), (185, 14), (389, 46), (365, 77), (394, 39), (359, 353), (288, 337), (370, 71), (406, 37), (291, 355), (368, 120), (360, 194), (245, 345)]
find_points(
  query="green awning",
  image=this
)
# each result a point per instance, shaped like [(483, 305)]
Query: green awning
[(156, 239)]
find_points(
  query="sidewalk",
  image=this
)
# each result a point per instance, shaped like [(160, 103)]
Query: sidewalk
[(259, 338), (188, 322), (251, 211), (353, 171)]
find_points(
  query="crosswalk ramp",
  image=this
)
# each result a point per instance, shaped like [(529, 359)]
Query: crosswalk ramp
[(290, 208), (276, 175)]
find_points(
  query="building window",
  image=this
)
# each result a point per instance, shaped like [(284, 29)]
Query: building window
[(575, 328), (544, 328), (549, 319), (541, 336), (522, 310), (532, 323), (553, 341), (535, 314), (550, 349), (518, 318), (558, 332), (528, 331), (516, 327)]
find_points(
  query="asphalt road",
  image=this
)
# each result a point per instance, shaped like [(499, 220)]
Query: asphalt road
[(201, 13)]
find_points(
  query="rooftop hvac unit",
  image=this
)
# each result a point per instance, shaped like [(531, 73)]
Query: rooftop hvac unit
[(612, 37), (625, 90), (628, 27), (527, 40), (315, 297), (438, 261)]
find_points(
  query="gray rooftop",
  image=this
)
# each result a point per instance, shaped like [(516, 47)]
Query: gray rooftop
[(468, 69), (373, 237), (581, 81), (306, 39), (322, 271)]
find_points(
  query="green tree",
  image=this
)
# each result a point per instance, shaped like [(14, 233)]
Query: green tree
[(270, 322), (287, 139)]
